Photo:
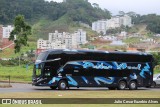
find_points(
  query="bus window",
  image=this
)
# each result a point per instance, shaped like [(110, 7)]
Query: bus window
[(42, 56), (37, 70)]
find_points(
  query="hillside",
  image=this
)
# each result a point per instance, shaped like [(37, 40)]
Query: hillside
[(45, 17), (34, 10)]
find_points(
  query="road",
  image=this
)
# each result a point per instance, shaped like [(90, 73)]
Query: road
[(17, 87)]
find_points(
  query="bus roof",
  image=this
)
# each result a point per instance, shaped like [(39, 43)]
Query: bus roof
[(95, 51)]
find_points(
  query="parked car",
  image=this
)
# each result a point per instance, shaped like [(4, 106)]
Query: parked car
[(156, 80)]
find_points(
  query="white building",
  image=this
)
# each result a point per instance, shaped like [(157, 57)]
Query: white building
[(43, 44), (115, 22), (7, 30), (126, 21), (71, 41), (80, 36), (63, 40), (57, 36), (100, 26)]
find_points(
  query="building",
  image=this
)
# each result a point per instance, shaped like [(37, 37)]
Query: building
[(80, 37), (63, 40), (126, 21), (42, 44), (1, 35), (70, 41), (115, 22), (7, 30), (4, 37), (1, 32), (100, 26)]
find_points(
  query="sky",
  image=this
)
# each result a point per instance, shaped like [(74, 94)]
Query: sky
[(139, 6)]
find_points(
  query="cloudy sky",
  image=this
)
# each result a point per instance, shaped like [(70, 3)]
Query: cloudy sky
[(138, 6)]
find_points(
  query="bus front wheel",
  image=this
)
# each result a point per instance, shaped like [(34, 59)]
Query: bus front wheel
[(62, 85), (132, 85)]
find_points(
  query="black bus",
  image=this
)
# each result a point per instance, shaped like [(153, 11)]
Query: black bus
[(85, 68)]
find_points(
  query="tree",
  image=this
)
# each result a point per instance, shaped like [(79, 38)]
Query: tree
[(21, 31)]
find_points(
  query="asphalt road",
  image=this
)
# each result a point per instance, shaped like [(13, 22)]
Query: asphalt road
[(17, 87)]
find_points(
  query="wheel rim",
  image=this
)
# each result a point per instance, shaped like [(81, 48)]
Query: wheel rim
[(63, 85), (122, 85), (133, 85)]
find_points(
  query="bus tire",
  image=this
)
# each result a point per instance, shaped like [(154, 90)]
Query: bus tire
[(132, 85), (122, 85), (62, 85), (53, 87)]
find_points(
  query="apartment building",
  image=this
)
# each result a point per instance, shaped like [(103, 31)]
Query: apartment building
[(63, 40), (116, 21), (100, 26)]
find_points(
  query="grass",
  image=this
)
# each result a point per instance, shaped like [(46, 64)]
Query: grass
[(16, 73), (85, 94), (132, 40), (9, 53)]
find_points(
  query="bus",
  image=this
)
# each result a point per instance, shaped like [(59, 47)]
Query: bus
[(64, 68)]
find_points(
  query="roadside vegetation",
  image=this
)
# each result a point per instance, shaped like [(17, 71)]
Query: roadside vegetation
[(22, 73)]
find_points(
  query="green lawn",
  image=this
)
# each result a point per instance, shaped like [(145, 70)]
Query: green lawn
[(16, 73), (85, 94), (9, 53), (132, 40)]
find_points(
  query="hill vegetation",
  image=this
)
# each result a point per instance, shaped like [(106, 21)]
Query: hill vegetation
[(33, 10)]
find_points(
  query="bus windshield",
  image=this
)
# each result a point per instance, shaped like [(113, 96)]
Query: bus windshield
[(37, 70), (42, 56)]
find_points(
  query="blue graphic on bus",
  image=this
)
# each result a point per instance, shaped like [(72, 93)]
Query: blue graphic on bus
[(146, 69), (110, 80), (71, 81), (54, 79), (84, 78)]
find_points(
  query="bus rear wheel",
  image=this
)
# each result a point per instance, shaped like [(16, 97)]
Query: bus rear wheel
[(122, 85), (62, 85), (132, 85)]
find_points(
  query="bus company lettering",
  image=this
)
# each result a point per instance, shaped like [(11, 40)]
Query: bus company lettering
[(104, 65), (125, 66), (99, 65)]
